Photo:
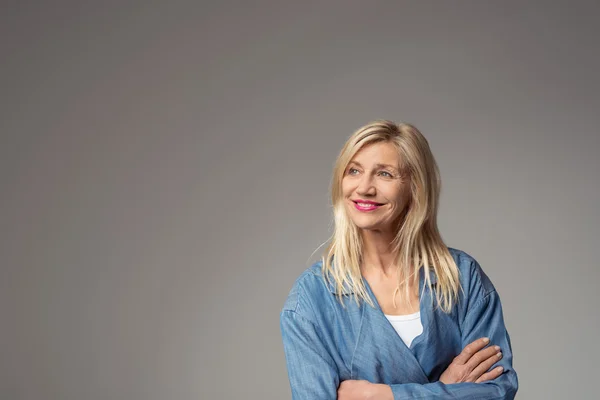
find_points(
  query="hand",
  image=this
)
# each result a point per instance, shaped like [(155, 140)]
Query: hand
[(472, 363), (363, 390)]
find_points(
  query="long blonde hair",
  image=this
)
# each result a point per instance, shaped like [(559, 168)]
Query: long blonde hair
[(418, 243)]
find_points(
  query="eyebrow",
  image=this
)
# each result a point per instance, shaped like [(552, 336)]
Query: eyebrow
[(376, 165)]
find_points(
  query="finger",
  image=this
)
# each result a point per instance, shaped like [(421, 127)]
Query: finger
[(481, 356), (471, 349), (488, 376), (484, 366)]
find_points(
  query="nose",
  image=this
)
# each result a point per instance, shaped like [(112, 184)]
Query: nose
[(365, 186)]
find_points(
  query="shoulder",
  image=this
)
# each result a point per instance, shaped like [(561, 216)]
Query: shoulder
[(473, 279), (307, 292)]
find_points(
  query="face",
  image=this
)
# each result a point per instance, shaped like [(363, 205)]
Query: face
[(373, 176)]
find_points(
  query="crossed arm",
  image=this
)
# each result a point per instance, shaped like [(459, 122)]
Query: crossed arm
[(471, 365)]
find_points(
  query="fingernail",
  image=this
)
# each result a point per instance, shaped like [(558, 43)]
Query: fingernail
[(500, 369), (486, 340), (499, 355), (497, 348)]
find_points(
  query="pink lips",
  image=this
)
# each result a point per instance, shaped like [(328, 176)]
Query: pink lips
[(370, 207)]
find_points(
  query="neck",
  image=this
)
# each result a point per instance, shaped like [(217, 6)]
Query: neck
[(378, 256), (379, 260)]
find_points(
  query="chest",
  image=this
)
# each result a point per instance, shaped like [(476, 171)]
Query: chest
[(394, 301)]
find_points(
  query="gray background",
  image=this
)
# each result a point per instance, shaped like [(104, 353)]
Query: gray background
[(165, 169)]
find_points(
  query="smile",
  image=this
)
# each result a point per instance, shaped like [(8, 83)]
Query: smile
[(366, 206)]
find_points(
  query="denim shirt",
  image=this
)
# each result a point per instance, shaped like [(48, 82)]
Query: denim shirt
[(326, 344)]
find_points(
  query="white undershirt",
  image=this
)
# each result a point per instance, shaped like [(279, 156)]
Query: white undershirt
[(408, 326)]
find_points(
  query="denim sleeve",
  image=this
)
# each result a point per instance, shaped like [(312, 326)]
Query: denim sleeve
[(483, 319), (311, 369)]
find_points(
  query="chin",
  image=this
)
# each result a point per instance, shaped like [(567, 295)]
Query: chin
[(367, 227)]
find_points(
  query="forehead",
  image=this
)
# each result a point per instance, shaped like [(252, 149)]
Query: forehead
[(377, 153)]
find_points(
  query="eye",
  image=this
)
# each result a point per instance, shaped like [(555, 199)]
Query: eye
[(389, 175), (350, 170)]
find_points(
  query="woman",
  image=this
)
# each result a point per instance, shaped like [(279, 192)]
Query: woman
[(391, 312)]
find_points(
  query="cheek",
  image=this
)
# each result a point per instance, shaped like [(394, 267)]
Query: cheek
[(347, 189), (403, 197), (406, 199)]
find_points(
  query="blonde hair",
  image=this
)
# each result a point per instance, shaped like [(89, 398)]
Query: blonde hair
[(418, 243)]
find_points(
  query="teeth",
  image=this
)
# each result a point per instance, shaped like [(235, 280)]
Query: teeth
[(366, 205)]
